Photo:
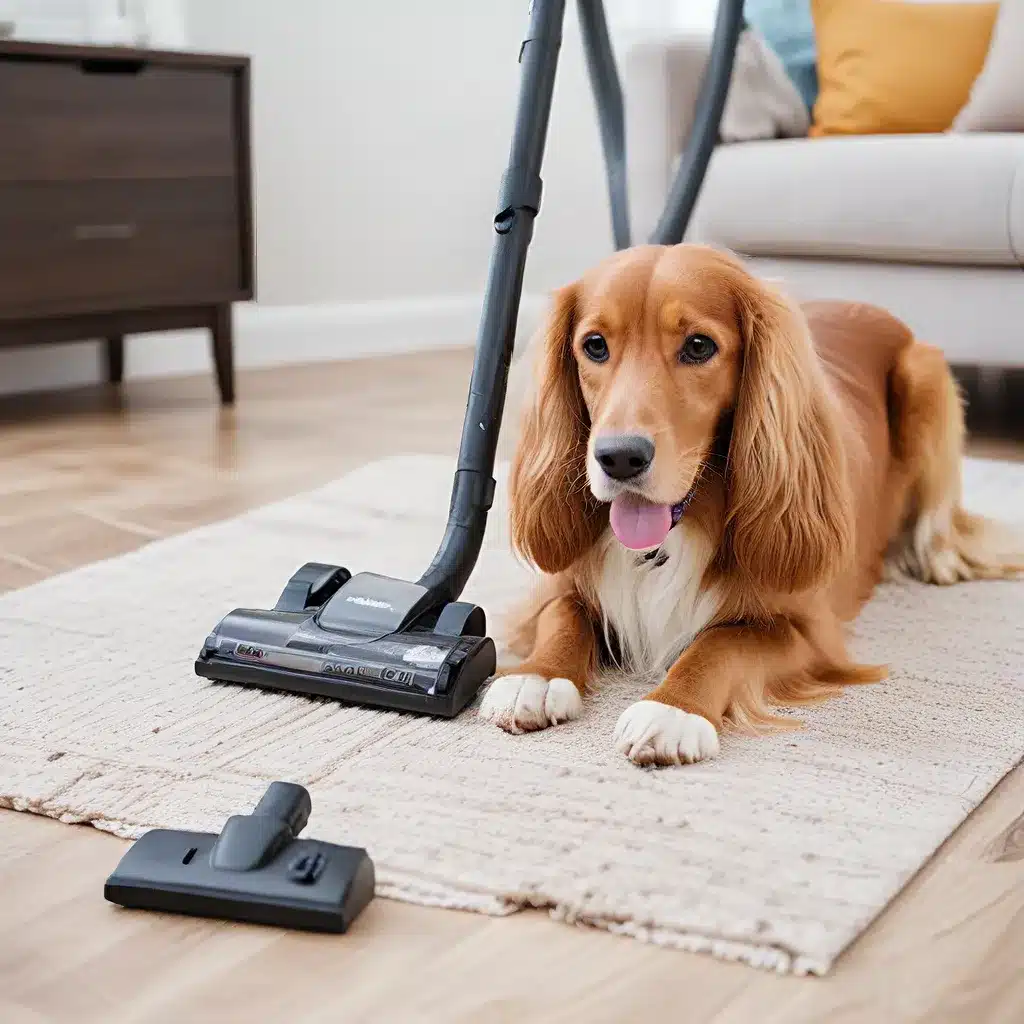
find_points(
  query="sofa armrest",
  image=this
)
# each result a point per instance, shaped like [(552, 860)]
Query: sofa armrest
[(661, 81)]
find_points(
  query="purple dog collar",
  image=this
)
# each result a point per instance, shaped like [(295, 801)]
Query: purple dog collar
[(678, 510)]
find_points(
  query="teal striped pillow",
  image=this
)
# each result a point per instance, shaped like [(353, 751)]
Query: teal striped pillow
[(788, 28)]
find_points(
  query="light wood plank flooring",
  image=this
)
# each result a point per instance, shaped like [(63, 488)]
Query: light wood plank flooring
[(84, 475)]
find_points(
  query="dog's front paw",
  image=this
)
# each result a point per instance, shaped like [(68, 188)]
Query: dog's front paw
[(526, 703), (651, 733)]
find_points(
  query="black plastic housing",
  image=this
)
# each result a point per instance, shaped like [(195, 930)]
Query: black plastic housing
[(256, 870), (375, 641)]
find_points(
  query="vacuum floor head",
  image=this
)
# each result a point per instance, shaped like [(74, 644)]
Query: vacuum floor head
[(256, 870), (367, 639)]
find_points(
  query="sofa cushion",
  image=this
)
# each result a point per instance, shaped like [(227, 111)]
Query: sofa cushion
[(913, 198)]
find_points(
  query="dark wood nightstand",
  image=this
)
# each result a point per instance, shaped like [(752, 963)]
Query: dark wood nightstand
[(125, 196)]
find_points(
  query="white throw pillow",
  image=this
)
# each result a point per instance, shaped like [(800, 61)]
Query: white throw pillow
[(996, 103), (762, 102)]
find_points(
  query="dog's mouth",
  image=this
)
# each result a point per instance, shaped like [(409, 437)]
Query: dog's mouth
[(639, 524)]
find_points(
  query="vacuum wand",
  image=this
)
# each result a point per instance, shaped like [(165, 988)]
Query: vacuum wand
[(518, 205)]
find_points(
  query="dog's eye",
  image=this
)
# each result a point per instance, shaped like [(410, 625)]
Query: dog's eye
[(698, 348), (596, 348)]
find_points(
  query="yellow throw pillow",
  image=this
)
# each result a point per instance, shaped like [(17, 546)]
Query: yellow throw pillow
[(891, 67)]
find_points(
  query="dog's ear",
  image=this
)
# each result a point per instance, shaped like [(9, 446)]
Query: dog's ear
[(554, 517), (789, 521)]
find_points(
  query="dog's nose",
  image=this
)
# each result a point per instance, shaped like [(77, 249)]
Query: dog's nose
[(624, 456)]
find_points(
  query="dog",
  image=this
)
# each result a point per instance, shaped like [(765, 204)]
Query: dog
[(712, 480)]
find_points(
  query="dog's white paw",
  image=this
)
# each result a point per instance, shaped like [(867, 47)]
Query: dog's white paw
[(651, 733), (530, 702)]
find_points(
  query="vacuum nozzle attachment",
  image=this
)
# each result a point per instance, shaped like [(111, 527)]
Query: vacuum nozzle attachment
[(256, 870)]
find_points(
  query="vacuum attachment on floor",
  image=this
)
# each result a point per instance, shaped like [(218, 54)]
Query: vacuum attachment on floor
[(366, 639), (256, 870)]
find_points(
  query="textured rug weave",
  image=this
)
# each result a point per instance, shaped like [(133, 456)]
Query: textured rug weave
[(779, 853)]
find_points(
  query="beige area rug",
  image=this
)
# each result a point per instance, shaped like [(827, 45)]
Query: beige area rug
[(779, 853)]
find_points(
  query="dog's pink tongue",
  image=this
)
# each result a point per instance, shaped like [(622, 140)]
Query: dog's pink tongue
[(638, 524)]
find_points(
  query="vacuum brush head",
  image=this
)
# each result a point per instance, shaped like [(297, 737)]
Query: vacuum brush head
[(366, 639), (256, 870)]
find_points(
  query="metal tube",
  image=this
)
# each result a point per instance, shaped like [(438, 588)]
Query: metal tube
[(604, 82), (518, 205)]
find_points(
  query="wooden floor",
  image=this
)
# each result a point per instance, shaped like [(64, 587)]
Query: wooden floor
[(85, 475)]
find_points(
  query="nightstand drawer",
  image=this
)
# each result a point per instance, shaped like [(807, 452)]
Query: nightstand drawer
[(104, 118), (103, 244)]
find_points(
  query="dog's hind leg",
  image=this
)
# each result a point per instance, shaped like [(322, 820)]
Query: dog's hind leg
[(940, 542)]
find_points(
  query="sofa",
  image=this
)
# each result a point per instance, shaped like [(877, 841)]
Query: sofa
[(931, 226)]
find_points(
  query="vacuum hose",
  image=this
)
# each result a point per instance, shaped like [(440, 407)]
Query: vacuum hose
[(518, 204)]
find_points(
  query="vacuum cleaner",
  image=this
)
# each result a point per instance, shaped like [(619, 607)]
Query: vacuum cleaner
[(413, 646)]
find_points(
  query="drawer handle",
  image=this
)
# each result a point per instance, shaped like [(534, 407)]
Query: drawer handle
[(104, 232), (112, 66)]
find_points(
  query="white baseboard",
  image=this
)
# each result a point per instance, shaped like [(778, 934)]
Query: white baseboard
[(271, 336)]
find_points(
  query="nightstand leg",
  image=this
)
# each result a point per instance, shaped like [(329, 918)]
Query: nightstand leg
[(223, 353), (115, 358)]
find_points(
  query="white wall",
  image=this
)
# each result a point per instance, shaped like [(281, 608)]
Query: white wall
[(380, 134), (380, 131), (58, 21)]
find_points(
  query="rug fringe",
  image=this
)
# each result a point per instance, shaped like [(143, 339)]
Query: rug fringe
[(760, 955)]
